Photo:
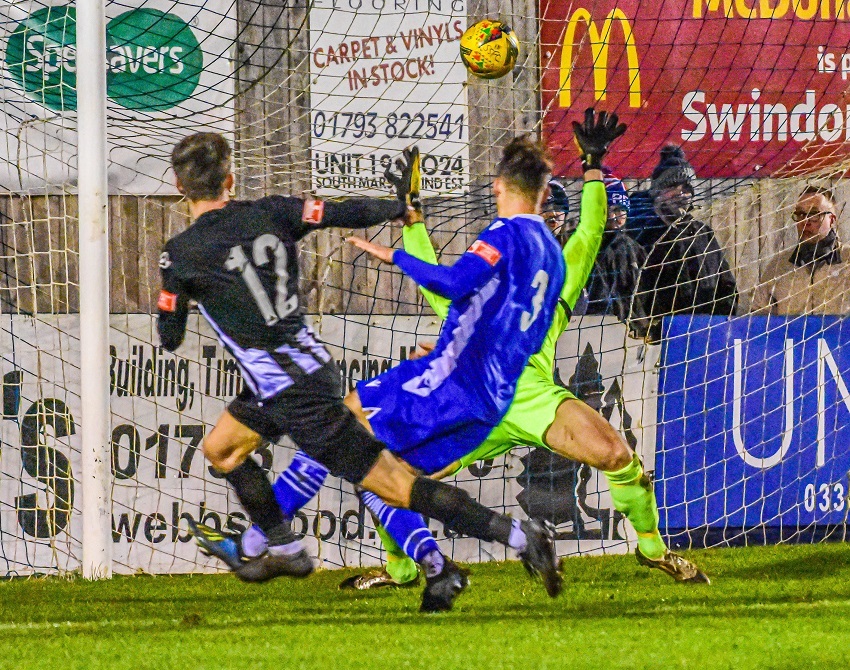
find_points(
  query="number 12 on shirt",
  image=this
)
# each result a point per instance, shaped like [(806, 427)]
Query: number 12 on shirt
[(284, 304)]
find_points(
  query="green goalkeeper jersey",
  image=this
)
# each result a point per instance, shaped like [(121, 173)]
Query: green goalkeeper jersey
[(580, 253)]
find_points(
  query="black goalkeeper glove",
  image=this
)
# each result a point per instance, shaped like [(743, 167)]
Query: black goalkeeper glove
[(594, 136), (408, 178)]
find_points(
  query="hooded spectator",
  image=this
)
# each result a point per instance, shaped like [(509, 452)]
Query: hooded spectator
[(674, 175), (685, 271)]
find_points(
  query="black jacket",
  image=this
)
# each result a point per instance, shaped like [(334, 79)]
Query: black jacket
[(686, 273), (614, 281)]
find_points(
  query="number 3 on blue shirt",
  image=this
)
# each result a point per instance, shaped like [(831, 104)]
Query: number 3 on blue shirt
[(541, 283)]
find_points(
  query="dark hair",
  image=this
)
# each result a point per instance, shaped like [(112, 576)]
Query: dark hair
[(201, 163), (526, 166), (819, 190)]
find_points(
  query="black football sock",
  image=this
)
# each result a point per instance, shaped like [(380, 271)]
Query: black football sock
[(257, 497), (459, 512)]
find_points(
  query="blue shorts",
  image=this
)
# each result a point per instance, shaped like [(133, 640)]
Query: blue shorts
[(429, 429)]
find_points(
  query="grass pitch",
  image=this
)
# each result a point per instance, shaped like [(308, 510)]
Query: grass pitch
[(769, 607)]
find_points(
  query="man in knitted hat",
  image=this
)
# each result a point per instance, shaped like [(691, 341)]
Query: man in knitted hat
[(614, 280), (672, 184), (668, 198), (685, 271), (813, 278)]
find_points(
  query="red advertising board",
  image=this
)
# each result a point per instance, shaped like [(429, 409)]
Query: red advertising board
[(748, 88)]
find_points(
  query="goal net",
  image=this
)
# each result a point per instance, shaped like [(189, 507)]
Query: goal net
[(733, 394)]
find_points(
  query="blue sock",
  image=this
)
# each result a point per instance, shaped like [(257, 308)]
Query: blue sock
[(296, 486), (408, 529)]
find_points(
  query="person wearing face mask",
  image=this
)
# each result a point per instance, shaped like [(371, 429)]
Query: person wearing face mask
[(685, 271), (613, 284), (813, 278)]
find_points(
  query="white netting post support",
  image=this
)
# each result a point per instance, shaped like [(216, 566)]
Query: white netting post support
[(94, 287)]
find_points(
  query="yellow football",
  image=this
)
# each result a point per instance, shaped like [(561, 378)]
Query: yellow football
[(489, 49)]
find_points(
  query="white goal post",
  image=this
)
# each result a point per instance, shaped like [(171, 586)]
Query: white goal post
[(95, 427)]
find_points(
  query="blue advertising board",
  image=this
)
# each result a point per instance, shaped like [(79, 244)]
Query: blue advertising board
[(754, 423)]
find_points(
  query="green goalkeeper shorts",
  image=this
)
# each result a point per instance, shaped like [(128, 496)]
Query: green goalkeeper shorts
[(531, 413)]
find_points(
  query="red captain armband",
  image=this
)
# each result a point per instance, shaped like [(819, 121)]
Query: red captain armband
[(489, 253), (313, 212), (167, 301)]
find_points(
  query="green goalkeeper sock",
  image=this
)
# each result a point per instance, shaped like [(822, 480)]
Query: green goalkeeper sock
[(400, 566), (632, 494)]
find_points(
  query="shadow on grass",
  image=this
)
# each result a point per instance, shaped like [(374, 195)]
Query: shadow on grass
[(334, 614), (812, 566)]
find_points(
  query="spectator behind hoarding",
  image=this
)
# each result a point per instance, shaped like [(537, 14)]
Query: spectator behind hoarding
[(614, 280), (685, 270), (814, 278), (556, 209)]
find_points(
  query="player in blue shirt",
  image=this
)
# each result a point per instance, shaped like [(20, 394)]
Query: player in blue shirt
[(503, 292)]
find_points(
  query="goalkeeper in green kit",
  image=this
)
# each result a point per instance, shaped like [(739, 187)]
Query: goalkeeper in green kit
[(541, 414), (544, 414)]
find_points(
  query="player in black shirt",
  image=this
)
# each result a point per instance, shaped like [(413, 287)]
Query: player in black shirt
[(238, 261)]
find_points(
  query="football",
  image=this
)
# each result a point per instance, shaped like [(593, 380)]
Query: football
[(489, 49)]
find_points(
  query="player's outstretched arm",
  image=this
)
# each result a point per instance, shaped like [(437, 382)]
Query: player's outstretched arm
[(354, 213), (454, 283), (406, 179), (581, 249), (418, 244), (300, 217), (593, 138)]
